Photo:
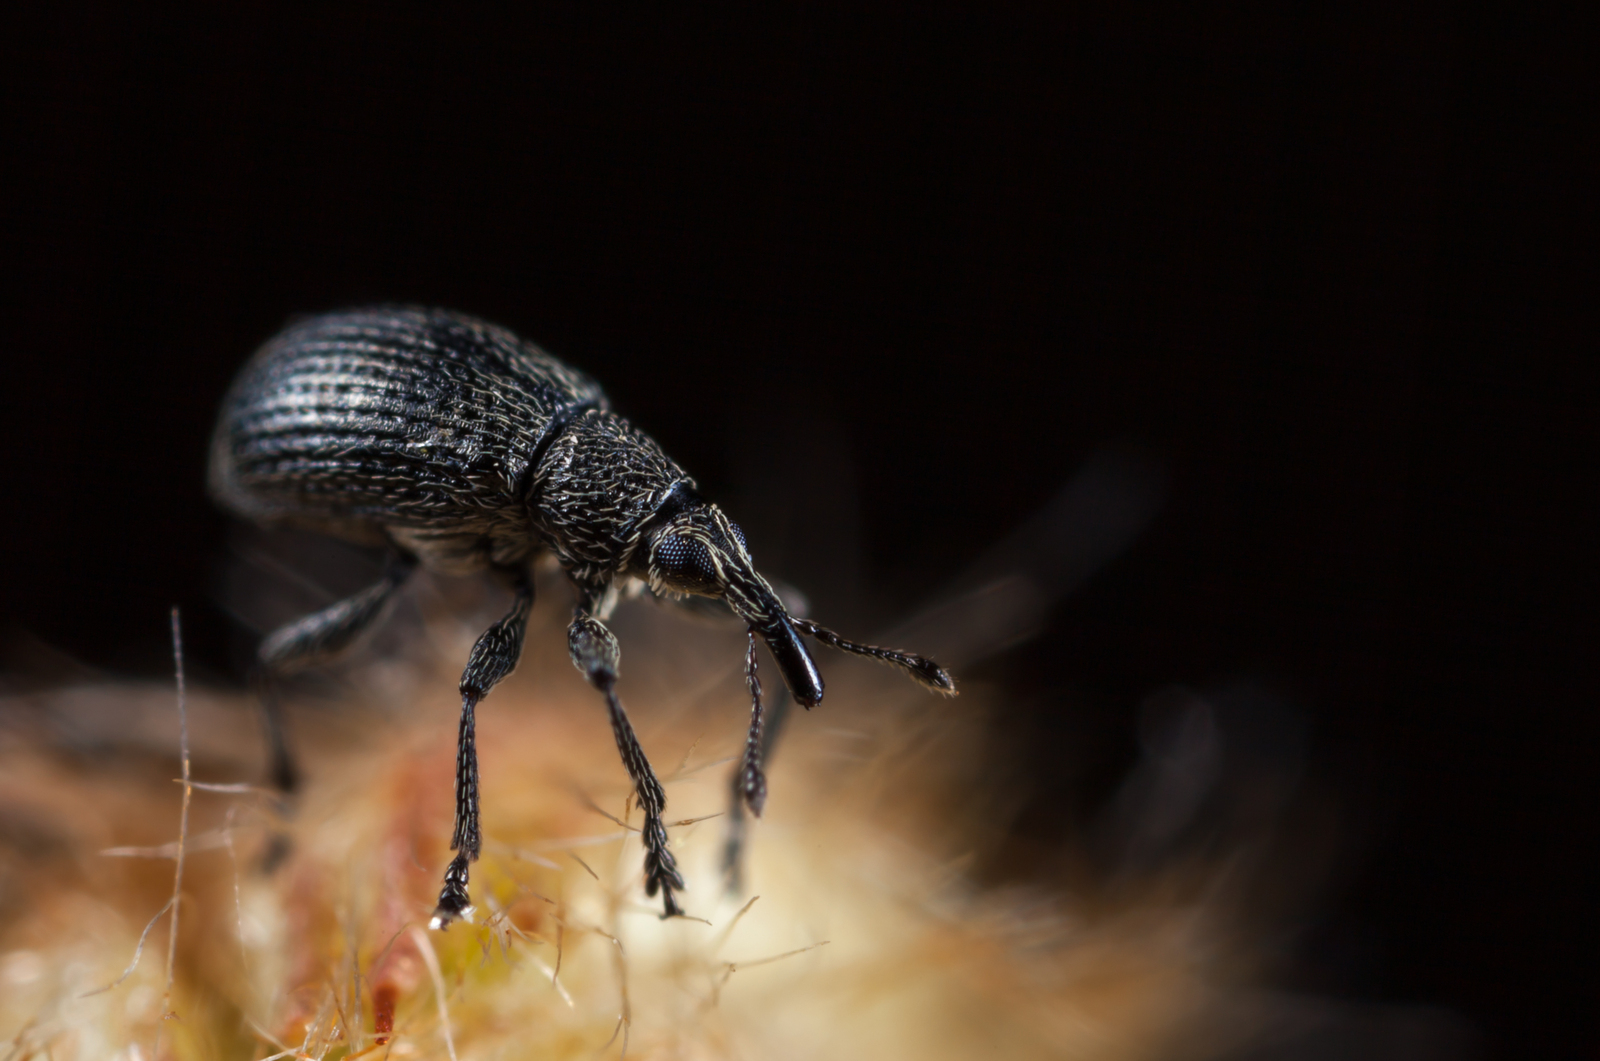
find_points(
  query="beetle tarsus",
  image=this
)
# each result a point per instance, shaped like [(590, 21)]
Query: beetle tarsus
[(453, 899)]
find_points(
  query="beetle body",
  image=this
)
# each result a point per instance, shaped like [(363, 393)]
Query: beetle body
[(460, 447), (427, 430)]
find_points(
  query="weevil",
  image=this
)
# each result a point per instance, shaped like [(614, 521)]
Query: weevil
[(458, 447)]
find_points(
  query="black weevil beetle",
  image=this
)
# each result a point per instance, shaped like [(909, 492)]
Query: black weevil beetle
[(456, 445)]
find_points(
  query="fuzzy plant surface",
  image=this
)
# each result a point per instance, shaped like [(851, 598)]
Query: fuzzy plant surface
[(303, 929)]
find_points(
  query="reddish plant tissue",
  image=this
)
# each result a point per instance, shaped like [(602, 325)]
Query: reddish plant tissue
[(383, 1000)]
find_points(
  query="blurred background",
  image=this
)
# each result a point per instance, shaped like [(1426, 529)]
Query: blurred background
[(1296, 288)]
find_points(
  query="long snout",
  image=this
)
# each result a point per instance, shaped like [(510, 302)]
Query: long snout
[(800, 672), (755, 603)]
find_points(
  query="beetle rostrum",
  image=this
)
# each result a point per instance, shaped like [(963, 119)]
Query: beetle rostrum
[(459, 447)]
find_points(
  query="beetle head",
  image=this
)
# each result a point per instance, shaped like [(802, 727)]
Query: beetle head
[(699, 550)]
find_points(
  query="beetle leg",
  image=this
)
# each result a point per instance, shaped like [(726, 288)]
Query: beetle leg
[(752, 782), (765, 727), (313, 639), (494, 656), (596, 654)]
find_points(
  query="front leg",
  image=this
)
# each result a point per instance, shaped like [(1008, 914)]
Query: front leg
[(493, 657), (763, 737), (595, 653)]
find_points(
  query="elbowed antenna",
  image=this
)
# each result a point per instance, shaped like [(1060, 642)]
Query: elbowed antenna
[(923, 669)]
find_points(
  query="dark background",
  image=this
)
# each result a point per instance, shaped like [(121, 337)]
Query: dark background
[(1326, 263)]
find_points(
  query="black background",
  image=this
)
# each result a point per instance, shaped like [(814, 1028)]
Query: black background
[(1326, 262)]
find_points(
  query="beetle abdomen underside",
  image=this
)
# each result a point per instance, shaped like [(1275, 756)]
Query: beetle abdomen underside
[(404, 417)]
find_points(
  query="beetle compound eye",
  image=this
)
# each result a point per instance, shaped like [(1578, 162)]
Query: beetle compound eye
[(738, 533), (685, 561), (672, 554)]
